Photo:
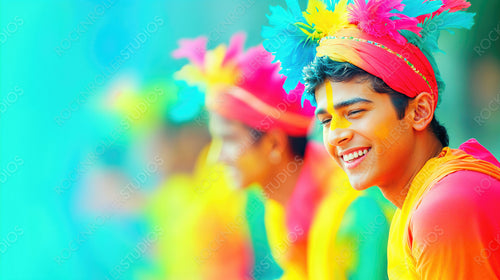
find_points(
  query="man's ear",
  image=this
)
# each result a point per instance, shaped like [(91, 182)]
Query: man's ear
[(278, 140), (421, 111)]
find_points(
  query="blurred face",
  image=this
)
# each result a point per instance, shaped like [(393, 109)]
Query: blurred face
[(362, 133), (241, 151)]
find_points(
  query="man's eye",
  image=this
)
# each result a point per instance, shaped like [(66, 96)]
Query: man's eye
[(354, 112), (325, 122)]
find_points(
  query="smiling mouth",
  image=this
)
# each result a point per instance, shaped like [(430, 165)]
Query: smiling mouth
[(353, 159)]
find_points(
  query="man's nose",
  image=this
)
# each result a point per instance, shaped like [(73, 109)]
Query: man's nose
[(339, 136)]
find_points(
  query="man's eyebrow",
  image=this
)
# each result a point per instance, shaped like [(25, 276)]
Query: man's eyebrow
[(320, 111), (350, 102), (343, 104)]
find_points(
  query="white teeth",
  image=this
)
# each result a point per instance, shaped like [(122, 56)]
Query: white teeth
[(354, 155)]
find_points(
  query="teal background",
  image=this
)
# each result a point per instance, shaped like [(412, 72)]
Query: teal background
[(38, 82)]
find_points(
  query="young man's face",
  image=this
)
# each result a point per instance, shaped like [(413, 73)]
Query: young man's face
[(361, 131), (240, 150)]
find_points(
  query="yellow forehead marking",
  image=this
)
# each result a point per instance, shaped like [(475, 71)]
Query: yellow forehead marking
[(337, 120)]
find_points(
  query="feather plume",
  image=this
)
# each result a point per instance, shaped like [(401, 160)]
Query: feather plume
[(454, 6), (446, 20), (321, 21), (288, 43), (235, 48), (194, 50), (377, 17), (208, 68), (415, 9), (431, 30)]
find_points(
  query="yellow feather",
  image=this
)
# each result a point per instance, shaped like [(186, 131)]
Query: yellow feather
[(323, 21), (213, 59), (217, 74), (213, 74)]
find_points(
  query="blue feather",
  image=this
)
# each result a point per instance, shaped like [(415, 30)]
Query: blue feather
[(294, 7), (288, 43), (188, 105), (432, 27), (431, 30), (417, 8), (330, 4)]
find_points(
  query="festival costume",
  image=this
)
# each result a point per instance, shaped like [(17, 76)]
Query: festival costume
[(393, 39), (247, 87), (203, 233), (448, 225)]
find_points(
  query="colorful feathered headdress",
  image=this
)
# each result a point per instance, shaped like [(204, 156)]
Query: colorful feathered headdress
[(243, 85), (391, 39)]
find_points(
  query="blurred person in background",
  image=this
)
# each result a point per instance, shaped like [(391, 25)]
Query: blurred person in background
[(161, 191), (369, 68), (317, 226), (157, 193), (117, 179), (194, 205)]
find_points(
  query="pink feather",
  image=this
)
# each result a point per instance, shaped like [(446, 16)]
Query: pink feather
[(192, 49), (453, 6), (235, 48), (374, 17)]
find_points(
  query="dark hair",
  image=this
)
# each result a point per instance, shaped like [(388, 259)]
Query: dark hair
[(297, 144), (323, 68)]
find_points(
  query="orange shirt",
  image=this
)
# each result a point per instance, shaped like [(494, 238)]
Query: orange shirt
[(449, 224)]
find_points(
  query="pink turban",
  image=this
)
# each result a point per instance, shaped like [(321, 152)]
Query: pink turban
[(402, 66)]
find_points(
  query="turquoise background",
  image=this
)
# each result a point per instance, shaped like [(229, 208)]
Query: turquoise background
[(45, 67)]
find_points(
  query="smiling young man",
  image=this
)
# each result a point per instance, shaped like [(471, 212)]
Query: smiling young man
[(371, 130), (368, 66), (447, 223)]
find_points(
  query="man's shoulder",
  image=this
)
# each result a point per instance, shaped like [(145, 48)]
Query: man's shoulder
[(459, 198), (465, 185), (455, 222)]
